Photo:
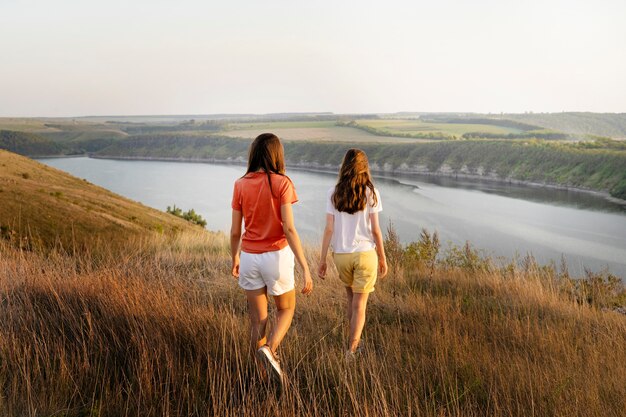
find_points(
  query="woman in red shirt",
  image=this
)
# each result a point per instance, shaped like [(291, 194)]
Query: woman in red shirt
[(262, 198)]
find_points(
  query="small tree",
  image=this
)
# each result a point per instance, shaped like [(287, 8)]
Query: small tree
[(395, 252), (425, 250)]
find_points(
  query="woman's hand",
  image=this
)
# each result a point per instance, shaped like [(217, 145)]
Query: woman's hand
[(321, 270), (235, 241), (308, 283), (235, 269), (382, 267)]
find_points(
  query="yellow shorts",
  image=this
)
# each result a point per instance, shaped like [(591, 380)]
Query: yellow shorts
[(357, 270)]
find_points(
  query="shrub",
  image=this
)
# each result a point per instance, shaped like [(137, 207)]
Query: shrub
[(619, 190), (424, 251), (467, 258), (600, 289), (394, 252), (190, 215)]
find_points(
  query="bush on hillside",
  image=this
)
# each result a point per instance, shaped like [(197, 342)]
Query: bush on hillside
[(423, 257), (190, 215), (619, 190)]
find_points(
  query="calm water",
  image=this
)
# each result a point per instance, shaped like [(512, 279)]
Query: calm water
[(504, 220)]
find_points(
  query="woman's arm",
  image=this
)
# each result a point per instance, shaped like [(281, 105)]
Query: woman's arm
[(294, 243), (380, 246), (235, 241), (328, 234)]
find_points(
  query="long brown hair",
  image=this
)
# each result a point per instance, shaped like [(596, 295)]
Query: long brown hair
[(266, 153), (350, 193)]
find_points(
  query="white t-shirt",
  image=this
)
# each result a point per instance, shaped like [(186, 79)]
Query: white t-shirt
[(353, 232)]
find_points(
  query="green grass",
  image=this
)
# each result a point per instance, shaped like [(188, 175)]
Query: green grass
[(416, 126), (28, 143), (579, 123), (73, 136), (312, 131), (23, 124), (280, 125)]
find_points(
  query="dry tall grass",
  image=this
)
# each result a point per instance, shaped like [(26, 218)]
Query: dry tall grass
[(162, 331), (41, 207)]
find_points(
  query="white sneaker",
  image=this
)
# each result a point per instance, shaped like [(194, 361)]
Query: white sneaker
[(271, 363)]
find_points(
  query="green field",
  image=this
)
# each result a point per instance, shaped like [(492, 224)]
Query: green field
[(83, 135), (280, 125), (324, 131), (401, 126), (24, 124), (581, 123)]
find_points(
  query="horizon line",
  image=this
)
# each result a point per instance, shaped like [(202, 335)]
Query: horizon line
[(296, 113)]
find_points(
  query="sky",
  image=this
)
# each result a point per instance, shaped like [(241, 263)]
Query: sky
[(88, 57)]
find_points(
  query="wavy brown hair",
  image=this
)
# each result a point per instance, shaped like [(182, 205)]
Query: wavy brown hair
[(350, 194), (266, 154)]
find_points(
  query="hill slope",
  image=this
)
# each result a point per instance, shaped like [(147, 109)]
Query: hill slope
[(42, 205), (164, 332), (603, 124), (25, 143)]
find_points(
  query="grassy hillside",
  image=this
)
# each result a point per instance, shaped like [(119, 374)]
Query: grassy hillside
[(83, 141), (25, 143), (24, 124), (445, 128), (42, 206), (88, 135), (151, 324), (163, 330), (601, 124), (598, 166), (578, 124), (183, 146)]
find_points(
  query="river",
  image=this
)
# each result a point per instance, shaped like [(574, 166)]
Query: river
[(504, 220)]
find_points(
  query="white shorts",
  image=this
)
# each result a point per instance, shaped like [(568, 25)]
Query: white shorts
[(273, 270)]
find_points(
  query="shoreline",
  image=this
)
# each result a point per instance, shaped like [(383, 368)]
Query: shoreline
[(377, 172)]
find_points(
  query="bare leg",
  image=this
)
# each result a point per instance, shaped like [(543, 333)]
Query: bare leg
[(257, 310), (349, 303), (285, 306), (357, 320)]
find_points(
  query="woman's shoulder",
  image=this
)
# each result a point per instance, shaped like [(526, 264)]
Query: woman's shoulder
[(281, 179)]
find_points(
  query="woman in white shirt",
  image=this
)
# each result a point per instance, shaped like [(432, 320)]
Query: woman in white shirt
[(353, 229)]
